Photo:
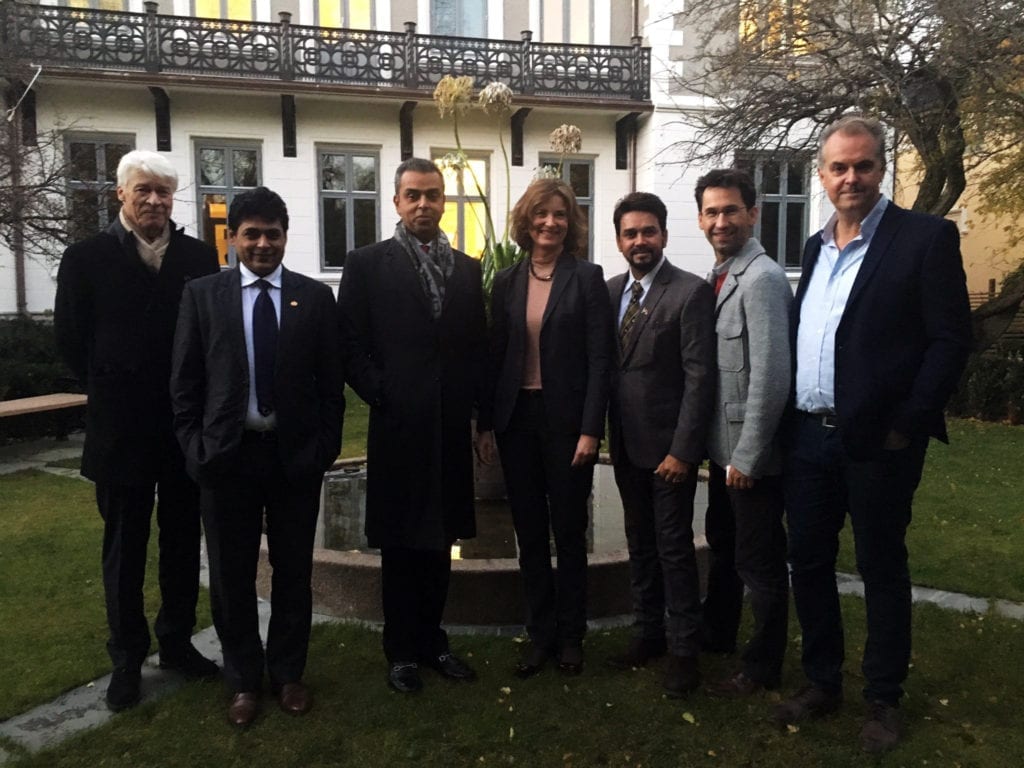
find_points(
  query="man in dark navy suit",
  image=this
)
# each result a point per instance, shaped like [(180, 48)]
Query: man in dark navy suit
[(880, 329), (257, 393)]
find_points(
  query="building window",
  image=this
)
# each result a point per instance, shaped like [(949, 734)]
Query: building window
[(774, 26), (238, 10), (349, 202), (465, 217), (99, 5), (346, 14), (567, 21), (782, 186), (92, 180), (458, 18), (578, 174), (222, 170)]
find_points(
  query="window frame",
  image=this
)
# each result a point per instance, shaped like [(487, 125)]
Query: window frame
[(99, 186), (349, 195), (566, 23), (753, 162), (346, 20), (224, 11), (458, 15), (229, 188), (466, 195), (549, 159)]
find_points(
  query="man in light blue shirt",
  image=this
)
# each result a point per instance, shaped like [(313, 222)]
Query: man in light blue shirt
[(881, 331)]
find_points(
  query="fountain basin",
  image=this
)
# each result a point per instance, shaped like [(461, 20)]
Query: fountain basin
[(485, 590)]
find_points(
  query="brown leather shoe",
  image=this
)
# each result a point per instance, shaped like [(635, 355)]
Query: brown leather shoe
[(809, 703), (295, 698), (682, 675), (243, 709), (882, 729), (738, 686)]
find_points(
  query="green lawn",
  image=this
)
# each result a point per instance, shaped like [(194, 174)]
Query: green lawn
[(967, 534), (52, 623), (962, 708), (357, 418)]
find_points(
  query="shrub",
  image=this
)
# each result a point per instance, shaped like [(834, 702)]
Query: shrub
[(31, 366)]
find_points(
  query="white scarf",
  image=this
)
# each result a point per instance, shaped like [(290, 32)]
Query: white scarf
[(152, 254)]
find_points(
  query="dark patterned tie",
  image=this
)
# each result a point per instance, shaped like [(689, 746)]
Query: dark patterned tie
[(264, 344), (629, 318)]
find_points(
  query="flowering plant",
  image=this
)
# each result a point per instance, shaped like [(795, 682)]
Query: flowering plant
[(453, 95)]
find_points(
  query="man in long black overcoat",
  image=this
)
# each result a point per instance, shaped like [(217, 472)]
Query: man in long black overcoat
[(115, 313), (414, 337)]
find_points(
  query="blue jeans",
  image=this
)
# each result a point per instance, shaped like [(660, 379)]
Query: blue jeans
[(822, 485)]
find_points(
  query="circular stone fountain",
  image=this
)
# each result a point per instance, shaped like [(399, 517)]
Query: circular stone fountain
[(485, 589)]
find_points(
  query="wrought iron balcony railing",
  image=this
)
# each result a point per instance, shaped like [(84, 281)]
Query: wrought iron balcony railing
[(83, 39)]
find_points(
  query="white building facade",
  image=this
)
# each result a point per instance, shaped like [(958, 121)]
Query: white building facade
[(320, 101)]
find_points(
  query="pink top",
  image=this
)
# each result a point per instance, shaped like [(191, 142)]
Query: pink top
[(537, 293)]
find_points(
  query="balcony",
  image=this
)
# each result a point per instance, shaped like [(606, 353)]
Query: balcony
[(154, 48)]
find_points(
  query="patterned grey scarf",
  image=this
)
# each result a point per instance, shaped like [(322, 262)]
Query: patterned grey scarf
[(434, 268)]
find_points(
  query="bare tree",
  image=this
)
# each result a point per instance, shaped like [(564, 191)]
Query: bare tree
[(946, 75), (34, 223)]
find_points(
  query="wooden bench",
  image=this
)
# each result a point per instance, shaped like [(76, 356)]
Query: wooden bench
[(59, 401), (55, 402)]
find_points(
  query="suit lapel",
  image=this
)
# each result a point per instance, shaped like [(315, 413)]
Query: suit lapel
[(293, 309), (654, 295), (565, 268), (751, 250), (887, 228), (455, 283), (517, 297), (398, 265), (229, 300)]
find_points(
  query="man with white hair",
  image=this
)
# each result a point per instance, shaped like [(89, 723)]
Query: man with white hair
[(116, 310)]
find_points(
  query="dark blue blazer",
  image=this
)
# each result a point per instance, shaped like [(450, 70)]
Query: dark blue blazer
[(210, 376), (905, 334)]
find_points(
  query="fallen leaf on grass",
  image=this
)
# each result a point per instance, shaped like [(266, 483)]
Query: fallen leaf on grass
[(689, 718), (792, 728)]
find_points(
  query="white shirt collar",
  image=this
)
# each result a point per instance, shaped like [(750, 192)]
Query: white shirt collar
[(249, 277)]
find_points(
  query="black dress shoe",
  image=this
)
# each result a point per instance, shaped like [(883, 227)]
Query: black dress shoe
[(532, 661), (189, 662), (404, 677), (639, 651), (682, 675), (570, 660), (809, 703), (123, 691), (451, 666)]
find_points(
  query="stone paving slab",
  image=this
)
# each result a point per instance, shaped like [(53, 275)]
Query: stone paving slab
[(36, 454), (85, 707)]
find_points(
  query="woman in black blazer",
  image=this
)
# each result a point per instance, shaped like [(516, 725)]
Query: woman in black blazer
[(550, 362)]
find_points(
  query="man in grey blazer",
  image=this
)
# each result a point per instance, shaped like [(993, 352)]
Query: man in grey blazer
[(661, 404), (744, 516)]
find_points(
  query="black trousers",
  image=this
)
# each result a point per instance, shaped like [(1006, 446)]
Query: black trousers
[(234, 508), (748, 548), (662, 563), (548, 495), (127, 511), (823, 485), (414, 589)]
